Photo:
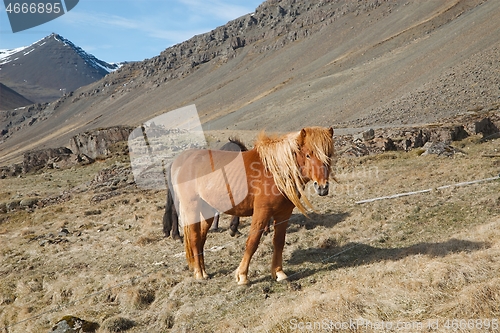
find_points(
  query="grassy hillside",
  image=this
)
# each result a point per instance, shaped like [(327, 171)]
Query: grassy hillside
[(96, 251)]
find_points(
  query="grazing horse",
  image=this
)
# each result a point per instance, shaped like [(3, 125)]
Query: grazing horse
[(171, 218), (269, 182)]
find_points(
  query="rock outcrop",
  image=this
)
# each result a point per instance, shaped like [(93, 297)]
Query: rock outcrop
[(433, 139), (49, 157), (71, 324), (96, 143), (84, 149)]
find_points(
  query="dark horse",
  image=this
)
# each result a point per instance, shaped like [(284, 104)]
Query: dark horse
[(171, 218), (267, 181)]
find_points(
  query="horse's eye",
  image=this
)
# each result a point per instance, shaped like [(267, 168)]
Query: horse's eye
[(308, 156)]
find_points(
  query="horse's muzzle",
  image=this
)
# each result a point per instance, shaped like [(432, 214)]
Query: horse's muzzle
[(322, 190)]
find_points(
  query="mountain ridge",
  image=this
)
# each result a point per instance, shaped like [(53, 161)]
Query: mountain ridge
[(46, 69)]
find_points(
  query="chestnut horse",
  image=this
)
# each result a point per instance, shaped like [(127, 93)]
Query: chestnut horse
[(267, 181), (171, 218)]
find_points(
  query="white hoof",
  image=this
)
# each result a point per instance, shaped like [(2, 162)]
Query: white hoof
[(281, 276), (241, 279)]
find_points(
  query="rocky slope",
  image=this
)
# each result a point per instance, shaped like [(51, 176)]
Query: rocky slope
[(342, 63)]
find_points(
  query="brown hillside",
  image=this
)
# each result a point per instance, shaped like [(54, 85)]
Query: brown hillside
[(347, 64)]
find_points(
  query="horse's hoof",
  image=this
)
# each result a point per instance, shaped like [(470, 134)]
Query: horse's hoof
[(234, 233), (241, 279), (177, 237), (281, 276), (200, 275)]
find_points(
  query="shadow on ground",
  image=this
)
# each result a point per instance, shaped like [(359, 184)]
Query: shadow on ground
[(314, 220), (356, 254)]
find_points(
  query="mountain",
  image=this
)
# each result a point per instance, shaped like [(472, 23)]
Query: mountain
[(11, 99), (290, 64), (43, 71)]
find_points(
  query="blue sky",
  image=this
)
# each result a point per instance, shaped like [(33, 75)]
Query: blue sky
[(128, 30)]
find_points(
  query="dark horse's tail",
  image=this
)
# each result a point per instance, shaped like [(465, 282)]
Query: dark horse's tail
[(170, 218)]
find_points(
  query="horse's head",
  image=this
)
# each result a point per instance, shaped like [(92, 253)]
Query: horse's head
[(315, 156)]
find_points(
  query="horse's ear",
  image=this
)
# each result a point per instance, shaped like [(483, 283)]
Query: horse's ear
[(331, 131), (302, 137)]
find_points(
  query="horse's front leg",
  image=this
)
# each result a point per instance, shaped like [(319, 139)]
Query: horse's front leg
[(280, 225), (259, 220), (233, 226)]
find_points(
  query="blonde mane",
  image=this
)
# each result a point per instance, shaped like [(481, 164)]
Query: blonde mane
[(278, 154)]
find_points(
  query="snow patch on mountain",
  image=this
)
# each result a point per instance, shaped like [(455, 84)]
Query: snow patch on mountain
[(9, 55), (89, 58)]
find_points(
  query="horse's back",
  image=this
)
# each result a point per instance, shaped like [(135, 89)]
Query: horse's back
[(217, 177)]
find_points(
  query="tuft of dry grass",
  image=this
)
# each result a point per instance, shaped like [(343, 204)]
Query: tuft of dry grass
[(117, 324)]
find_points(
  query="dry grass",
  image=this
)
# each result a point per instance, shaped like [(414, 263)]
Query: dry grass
[(415, 259)]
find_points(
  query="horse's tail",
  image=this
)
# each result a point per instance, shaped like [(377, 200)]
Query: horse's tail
[(187, 246), (169, 205)]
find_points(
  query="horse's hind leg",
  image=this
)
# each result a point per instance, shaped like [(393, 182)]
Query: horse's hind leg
[(215, 225), (193, 240), (175, 225), (205, 226)]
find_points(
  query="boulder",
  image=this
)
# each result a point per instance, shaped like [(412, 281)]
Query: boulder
[(486, 127), (28, 203), (71, 324), (448, 134), (366, 135), (389, 145), (357, 149), (421, 139), (440, 149)]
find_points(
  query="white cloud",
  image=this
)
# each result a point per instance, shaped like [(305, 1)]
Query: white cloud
[(80, 18), (222, 10), (163, 20), (109, 22)]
